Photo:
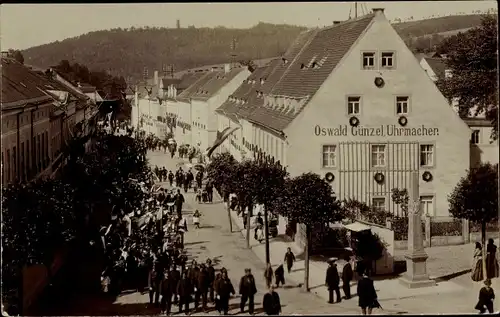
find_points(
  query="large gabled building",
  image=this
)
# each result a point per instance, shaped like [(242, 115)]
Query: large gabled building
[(353, 105)]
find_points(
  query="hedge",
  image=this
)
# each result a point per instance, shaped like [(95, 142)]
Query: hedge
[(447, 228), (490, 227), (400, 227)]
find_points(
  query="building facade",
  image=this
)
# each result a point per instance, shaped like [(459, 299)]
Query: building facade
[(39, 112), (351, 103)]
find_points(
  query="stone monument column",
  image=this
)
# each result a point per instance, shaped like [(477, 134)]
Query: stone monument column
[(416, 257)]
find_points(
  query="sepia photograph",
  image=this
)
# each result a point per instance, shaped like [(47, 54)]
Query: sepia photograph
[(260, 158)]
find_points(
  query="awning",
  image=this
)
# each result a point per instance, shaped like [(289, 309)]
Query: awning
[(357, 227)]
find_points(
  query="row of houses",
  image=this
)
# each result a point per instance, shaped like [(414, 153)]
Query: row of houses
[(349, 102), (41, 112)]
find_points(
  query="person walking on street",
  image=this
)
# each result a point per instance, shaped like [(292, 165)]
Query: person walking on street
[(171, 178), (175, 277), (247, 291), (179, 201), (268, 275), (367, 296), (211, 279), (202, 288), (486, 297), (210, 191), (492, 269), (166, 294), (215, 286), (185, 290), (347, 276), (332, 281), (271, 302), (186, 184), (154, 281), (279, 275), (225, 289), (289, 259)]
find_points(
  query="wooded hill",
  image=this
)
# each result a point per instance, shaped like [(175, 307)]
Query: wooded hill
[(125, 52)]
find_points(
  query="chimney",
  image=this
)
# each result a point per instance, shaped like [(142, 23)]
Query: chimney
[(227, 68), (378, 11), (336, 22), (156, 82)]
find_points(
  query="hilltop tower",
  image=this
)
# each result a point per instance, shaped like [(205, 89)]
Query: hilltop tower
[(178, 24)]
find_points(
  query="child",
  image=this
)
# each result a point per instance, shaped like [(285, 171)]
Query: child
[(486, 297), (196, 219), (198, 195)]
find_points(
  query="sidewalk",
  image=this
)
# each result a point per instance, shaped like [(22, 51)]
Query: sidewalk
[(446, 297)]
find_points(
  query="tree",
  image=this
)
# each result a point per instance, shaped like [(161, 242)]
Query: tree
[(475, 198), (472, 59), (308, 199), (265, 179), (37, 219), (221, 170), (249, 63), (17, 55)]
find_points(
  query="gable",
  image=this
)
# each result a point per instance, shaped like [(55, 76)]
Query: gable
[(378, 104)]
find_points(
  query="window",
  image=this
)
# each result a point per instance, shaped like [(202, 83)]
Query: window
[(14, 163), (426, 155), (329, 158), (427, 205), (368, 60), (378, 155), (22, 166), (42, 156), (27, 161), (8, 166), (378, 204), (402, 105), (38, 152), (474, 138), (353, 105), (387, 59)]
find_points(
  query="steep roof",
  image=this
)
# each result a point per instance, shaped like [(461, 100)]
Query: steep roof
[(316, 59), (248, 91), (437, 65), (20, 85), (270, 75), (216, 81), (208, 84)]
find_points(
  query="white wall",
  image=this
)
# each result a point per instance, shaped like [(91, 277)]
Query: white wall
[(327, 109)]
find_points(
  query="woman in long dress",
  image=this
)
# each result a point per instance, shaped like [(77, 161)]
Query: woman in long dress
[(477, 263), (491, 260)]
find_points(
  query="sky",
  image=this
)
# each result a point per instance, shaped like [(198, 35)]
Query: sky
[(27, 25)]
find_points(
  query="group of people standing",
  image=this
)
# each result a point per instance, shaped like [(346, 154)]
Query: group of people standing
[(486, 294)]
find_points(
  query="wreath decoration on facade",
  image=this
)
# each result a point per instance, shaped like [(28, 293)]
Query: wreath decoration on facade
[(329, 177), (379, 178), (427, 176), (354, 122), (379, 82), (403, 121)]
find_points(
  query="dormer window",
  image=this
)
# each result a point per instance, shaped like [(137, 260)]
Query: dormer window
[(448, 73), (302, 66), (262, 81), (285, 61), (315, 65)]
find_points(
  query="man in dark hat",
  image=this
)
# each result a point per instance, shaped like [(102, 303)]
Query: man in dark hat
[(247, 291), (332, 281)]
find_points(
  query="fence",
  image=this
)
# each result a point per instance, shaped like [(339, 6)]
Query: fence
[(441, 231)]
